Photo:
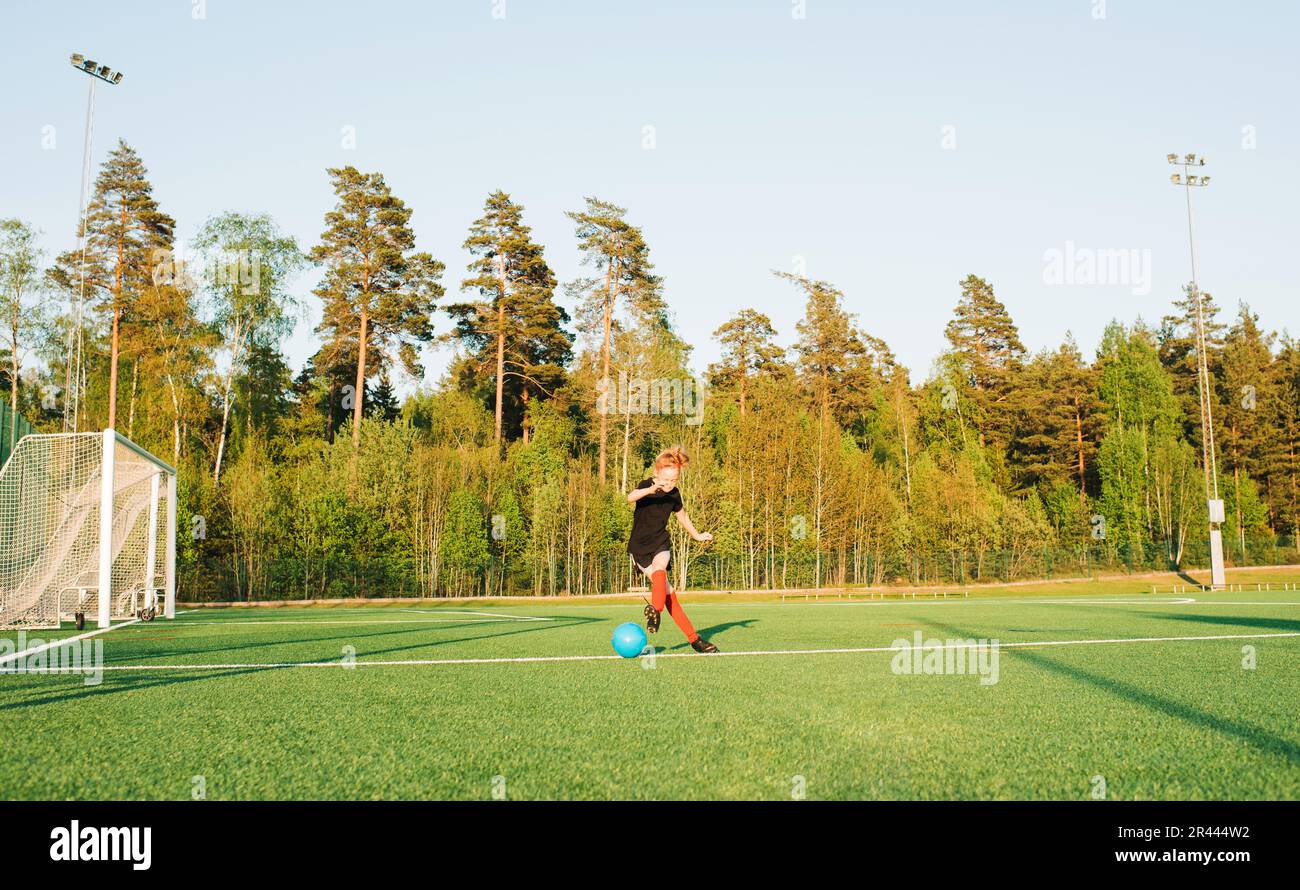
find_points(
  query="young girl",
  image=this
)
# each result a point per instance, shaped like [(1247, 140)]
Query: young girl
[(651, 545)]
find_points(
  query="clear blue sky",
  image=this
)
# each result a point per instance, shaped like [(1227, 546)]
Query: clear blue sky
[(775, 137)]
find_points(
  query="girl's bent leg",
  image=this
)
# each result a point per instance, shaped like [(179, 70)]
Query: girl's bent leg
[(679, 615), (657, 572), (663, 596)]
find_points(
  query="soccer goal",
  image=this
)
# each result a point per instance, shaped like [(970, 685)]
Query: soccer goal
[(87, 527)]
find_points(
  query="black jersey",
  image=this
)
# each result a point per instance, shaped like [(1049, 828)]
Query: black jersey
[(650, 523)]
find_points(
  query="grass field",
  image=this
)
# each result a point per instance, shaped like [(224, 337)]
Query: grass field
[(1150, 692)]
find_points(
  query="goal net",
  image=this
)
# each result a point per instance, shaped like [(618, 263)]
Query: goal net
[(87, 525)]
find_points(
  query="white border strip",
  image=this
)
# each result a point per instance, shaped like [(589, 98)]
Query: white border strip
[(463, 612), (54, 644), (290, 622), (423, 662), (992, 600)]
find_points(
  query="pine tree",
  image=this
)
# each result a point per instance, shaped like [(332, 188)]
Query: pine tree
[(383, 403), (748, 347), (127, 239), (171, 351), (1281, 454), (1244, 385), (986, 347), (515, 331), (835, 364), (1054, 436), (265, 389), (607, 241), (378, 292)]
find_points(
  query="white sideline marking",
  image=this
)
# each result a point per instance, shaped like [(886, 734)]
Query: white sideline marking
[(463, 612), (54, 644), (987, 601), (487, 618), (275, 622), (562, 658)]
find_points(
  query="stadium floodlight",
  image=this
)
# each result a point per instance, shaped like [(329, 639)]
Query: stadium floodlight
[(1176, 179), (76, 336), (95, 69), (1172, 158), (1209, 457), (87, 524)]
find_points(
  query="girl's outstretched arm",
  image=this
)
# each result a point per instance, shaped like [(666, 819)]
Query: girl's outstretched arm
[(690, 529), (637, 493)]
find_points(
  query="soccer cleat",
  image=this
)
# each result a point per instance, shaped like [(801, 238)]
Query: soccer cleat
[(651, 619), (699, 644)]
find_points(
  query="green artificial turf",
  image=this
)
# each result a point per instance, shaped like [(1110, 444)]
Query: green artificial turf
[(1162, 719)]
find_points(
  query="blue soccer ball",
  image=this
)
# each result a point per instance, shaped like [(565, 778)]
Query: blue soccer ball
[(629, 639)]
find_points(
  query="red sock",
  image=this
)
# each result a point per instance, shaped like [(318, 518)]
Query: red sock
[(679, 615), (658, 589)]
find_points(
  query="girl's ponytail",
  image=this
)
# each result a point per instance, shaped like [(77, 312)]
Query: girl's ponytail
[(672, 457)]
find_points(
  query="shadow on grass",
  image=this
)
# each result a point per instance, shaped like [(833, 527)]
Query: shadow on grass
[(1276, 624), (421, 628), (126, 681), (115, 682), (710, 632), (529, 627), (1258, 738)]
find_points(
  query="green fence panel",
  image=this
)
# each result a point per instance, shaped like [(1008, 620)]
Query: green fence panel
[(12, 428)]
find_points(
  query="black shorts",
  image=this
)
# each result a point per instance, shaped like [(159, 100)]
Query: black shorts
[(643, 560)]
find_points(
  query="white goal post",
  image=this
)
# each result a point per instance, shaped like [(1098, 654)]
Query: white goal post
[(87, 526)]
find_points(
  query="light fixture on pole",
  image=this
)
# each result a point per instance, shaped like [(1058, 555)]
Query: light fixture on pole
[(73, 368), (1209, 459)]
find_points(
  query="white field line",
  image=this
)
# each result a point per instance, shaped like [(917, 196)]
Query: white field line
[(54, 644), (420, 662), (491, 614), (274, 622), (987, 601)]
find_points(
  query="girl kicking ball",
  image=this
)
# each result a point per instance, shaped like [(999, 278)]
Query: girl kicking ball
[(651, 545)]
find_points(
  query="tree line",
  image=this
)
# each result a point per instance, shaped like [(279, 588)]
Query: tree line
[(818, 463)]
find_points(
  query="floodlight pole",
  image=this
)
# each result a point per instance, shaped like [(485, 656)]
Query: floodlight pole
[(1209, 457), (72, 371)]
